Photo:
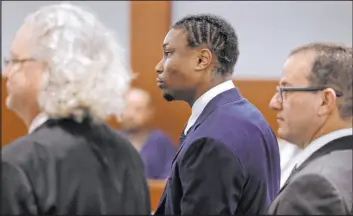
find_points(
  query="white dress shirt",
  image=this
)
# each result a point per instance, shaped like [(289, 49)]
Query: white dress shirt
[(313, 147), (202, 101), (288, 152), (37, 122)]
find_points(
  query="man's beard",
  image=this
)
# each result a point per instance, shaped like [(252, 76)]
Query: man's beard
[(168, 96)]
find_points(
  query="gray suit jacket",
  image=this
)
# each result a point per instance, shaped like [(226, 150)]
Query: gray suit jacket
[(322, 185)]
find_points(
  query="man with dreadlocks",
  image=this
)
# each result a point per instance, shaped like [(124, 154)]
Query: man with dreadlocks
[(228, 159)]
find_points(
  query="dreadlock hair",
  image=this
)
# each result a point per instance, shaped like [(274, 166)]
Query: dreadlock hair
[(217, 34)]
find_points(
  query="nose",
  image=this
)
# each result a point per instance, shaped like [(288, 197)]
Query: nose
[(159, 67), (5, 72), (274, 103)]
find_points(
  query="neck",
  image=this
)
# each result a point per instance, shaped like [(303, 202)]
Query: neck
[(138, 137), (27, 115), (204, 87), (329, 127), (138, 131)]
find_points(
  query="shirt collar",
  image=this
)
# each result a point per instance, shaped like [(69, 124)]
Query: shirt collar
[(204, 99), (320, 142), (303, 155), (37, 122)]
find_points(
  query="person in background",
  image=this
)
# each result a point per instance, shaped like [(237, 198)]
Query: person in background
[(314, 111), (155, 147), (228, 160), (63, 79)]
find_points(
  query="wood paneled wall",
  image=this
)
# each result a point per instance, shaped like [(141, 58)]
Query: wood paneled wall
[(259, 93), (12, 126), (150, 22), (156, 190)]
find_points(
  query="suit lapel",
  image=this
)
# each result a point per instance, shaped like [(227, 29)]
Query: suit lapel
[(228, 96), (181, 142), (283, 186), (342, 143), (294, 170), (221, 99)]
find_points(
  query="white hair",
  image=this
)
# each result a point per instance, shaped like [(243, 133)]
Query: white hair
[(86, 74)]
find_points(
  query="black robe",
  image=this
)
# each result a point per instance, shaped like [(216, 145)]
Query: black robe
[(64, 167)]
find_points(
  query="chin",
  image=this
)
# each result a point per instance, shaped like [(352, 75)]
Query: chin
[(9, 103), (284, 135), (281, 132), (130, 129)]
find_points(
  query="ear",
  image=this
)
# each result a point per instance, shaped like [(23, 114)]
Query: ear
[(204, 59), (328, 103)]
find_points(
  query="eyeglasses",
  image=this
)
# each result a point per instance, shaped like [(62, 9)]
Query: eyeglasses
[(281, 90), (15, 64), (8, 62)]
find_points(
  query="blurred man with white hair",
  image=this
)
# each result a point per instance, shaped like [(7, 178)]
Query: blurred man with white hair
[(64, 78)]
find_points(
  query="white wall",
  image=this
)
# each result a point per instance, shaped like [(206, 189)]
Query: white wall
[(269, 30), (114, 14)]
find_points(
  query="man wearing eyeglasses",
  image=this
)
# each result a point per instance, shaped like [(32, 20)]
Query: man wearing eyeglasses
[(64, 78), (314, 111)]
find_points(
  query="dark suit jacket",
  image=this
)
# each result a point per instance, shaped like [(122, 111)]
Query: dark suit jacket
[(322, 185), (68, 168), (228, 163)]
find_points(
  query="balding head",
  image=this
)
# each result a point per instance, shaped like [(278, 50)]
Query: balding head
[(332, 67), (139, 95), (138, 109)]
